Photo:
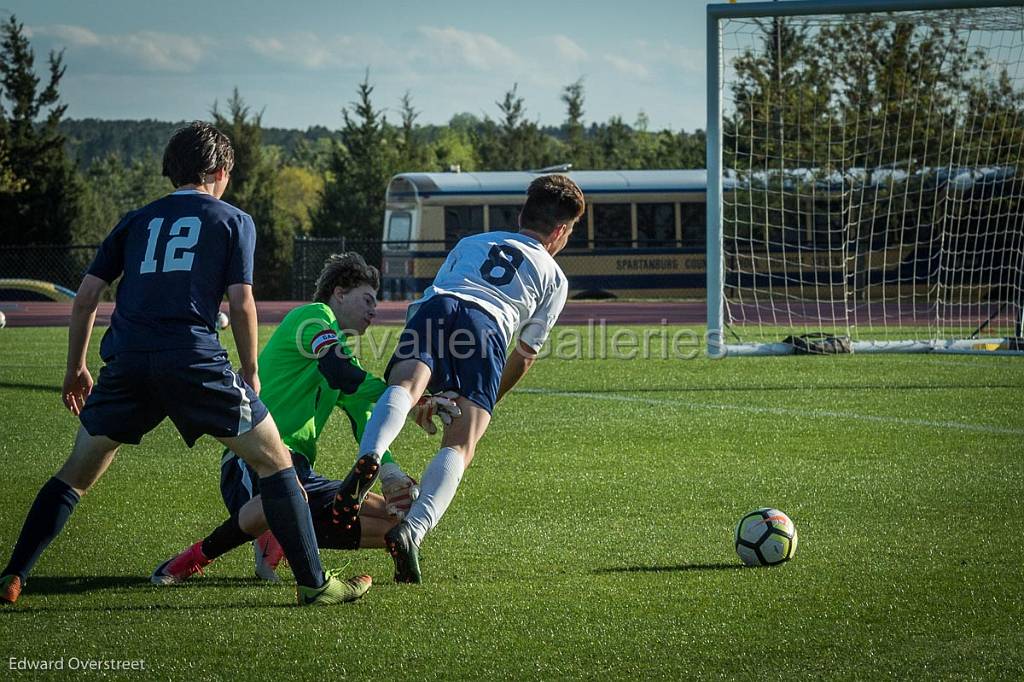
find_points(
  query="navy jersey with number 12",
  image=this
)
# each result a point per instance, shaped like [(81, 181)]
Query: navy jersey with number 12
[(176, 257)]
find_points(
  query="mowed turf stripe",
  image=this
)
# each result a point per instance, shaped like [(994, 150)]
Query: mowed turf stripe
[(783, 411)]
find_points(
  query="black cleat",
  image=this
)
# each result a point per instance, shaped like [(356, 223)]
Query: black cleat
[(354, 488), (405, 552)]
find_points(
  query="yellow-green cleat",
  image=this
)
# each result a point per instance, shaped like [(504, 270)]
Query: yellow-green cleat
[(334, 591)]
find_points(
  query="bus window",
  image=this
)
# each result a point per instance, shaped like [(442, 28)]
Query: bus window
[(694, 218), (460, 221), (504, 218), (655, 225), (399, 230), (612, 226), (579, 239)]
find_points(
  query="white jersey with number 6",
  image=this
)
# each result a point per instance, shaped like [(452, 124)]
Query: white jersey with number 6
[(509, 275)]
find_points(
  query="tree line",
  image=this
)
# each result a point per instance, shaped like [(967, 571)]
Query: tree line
[(68, 182), (907, 98)]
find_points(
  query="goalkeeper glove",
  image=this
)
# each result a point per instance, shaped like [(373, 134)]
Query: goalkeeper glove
[(399, 488), (442, 405)]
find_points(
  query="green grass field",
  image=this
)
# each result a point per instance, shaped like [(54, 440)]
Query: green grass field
[(591, 538)]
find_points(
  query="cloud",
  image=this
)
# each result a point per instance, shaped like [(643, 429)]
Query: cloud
[(143, 50), (673, 56), (453, 47), (568, 49), (628, 68), (302, 49), (77, 36), (161, 51)]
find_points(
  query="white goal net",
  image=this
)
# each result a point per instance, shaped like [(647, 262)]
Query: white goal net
[(868, 176)]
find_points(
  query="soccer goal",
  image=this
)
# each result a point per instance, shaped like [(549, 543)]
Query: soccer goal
[(865, 175)]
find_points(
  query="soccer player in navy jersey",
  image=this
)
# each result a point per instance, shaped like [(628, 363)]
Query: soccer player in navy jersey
[(176, 258)]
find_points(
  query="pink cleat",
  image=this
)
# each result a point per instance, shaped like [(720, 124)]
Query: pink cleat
[(182, 567), (268, 555)]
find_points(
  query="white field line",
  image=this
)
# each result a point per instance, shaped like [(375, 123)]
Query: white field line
[(782, 411)]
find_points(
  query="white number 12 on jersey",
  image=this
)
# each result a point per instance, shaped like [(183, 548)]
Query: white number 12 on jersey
[(177, 256)]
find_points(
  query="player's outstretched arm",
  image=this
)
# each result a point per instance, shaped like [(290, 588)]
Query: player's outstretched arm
[(77, 380), (516, 366), (242, 309)]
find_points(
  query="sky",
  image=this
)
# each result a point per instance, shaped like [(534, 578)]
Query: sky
[(300, 62)]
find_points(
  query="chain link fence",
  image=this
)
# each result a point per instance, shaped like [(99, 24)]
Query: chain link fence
[(310, 253), (62, 265)]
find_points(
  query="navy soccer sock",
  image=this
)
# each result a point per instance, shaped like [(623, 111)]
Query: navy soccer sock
[(288, 517), (225, 538), (54, 504)]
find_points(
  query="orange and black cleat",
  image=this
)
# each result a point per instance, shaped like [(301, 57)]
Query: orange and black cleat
[(403, 549), (10, 589), (353, 490)]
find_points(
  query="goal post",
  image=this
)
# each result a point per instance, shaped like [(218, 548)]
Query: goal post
[(865, 175)]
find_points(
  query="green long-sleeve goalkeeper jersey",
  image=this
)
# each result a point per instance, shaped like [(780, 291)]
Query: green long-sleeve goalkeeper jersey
[(294, 390)]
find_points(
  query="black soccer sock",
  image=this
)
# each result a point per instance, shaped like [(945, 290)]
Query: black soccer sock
[(288, 517), (225, 538), (330, 535), (51, 510)]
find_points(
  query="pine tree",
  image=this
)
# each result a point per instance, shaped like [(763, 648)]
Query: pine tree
[(578, 150), (412, 153), (43, 205), (352, 203), (514, 142), (253, 189)]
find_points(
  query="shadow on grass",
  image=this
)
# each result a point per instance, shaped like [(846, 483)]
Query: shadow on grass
[(671, 569), (44, 388), (48, 585), (29, 610), (94, 583), (780, 387)]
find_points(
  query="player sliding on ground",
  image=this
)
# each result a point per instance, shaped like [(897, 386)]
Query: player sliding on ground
[(490, 286), (176, 258), (308, 367)]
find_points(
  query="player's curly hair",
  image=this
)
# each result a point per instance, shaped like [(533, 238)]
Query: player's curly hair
[(346, 270), (551, 200), (195, 151)]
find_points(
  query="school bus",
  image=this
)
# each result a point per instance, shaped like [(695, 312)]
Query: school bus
[(642, 236)]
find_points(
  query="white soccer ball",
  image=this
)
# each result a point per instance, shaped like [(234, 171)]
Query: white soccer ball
[(222, 321), (3, 320), (765, 537)]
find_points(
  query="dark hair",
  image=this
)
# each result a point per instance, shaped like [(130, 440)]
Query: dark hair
[(346, 270), (195, 151), (551, 200)]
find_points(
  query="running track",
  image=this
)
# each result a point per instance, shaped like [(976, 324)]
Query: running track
[(38, 314)]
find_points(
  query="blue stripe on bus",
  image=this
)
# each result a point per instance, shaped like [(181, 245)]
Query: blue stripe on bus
[(568, 252), (577, 282), (521, 193)]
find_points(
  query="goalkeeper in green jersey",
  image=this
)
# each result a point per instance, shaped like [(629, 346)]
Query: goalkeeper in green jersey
[(308, 369)]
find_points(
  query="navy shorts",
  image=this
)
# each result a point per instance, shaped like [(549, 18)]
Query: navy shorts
[(460, 343), (197, 389), (239, 483)]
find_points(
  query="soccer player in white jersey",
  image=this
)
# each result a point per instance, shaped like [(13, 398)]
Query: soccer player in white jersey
[(492, 287)]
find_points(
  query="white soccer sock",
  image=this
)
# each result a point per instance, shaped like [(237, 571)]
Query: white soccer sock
[(386, 421), (437, 490)]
